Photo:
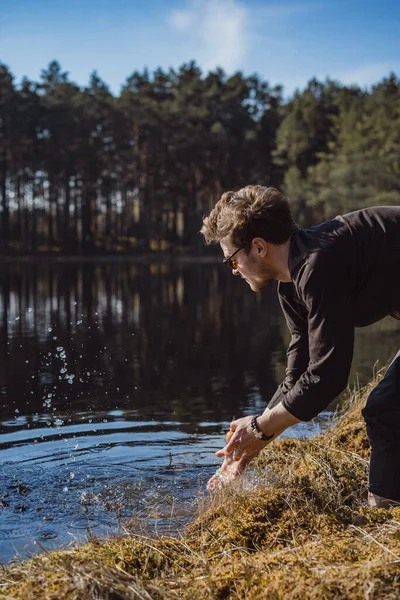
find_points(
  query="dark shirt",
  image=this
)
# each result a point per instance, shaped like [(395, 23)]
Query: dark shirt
[(345, 274)]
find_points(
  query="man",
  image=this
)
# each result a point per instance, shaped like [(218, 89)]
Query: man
[(331, 278)]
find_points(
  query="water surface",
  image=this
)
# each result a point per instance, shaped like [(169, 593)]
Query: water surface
[(117, 381)]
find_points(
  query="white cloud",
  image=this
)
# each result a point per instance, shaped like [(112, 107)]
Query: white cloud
[(219, 30), (181, 19)]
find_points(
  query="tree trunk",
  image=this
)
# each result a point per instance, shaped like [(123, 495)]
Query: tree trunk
[(5, 228), (88, 205), (34, 222), (67, 242)]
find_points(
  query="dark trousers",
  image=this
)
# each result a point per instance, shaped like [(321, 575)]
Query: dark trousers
[(382, 416)]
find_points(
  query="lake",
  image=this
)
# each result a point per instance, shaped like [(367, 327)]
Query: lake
[(118, 380)]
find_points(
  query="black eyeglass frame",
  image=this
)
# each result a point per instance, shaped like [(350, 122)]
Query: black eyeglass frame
[(228, 261)]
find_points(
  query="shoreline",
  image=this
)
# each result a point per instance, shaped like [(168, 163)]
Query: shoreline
[(285, 531)]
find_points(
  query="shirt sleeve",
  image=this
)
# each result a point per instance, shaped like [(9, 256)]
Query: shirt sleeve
[(297, 352), (325, 292)]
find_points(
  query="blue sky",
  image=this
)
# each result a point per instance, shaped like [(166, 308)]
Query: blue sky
[(286, 42)]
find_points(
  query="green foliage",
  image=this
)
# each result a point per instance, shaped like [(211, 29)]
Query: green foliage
[(361, 164)]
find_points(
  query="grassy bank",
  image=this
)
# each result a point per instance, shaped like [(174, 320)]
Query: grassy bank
[(284, 532)]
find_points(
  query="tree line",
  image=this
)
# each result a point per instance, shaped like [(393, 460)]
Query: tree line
[(83, 171)]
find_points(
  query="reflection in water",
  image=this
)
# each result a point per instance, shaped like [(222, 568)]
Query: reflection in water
[(116, 382), (184, 341)]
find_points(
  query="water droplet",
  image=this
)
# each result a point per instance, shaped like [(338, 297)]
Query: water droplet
[(65, 489), (74, 303), (60, 348), (17, 318), (63, 370), (78, 322), (50, 329), (29, 310), (16, 410), (72, 475)]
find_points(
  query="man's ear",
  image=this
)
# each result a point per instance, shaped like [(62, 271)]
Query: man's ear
[(261, 246)]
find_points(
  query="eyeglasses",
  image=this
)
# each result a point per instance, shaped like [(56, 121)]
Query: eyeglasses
[(229, 262)]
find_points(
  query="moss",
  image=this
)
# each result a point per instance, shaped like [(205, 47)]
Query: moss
[(350, 436), (293, 539)]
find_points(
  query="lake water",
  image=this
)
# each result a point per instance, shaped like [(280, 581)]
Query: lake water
[(117, 382)]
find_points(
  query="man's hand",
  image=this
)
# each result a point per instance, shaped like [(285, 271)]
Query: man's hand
[(238, 453), (243, 446)]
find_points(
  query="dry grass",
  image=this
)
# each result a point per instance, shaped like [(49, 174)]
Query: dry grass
[(283, 532)]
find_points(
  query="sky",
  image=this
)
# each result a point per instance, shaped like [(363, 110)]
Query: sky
[(286, 42)]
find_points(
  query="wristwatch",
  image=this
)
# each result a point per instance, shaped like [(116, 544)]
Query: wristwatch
[(257, 431)]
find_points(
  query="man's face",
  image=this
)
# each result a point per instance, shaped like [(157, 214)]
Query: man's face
[(251, 265)]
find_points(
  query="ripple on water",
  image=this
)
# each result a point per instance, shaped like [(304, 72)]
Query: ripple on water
[(78, 480), (53, 500)]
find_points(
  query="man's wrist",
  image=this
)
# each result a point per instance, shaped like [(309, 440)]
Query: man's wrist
[(258, 432), (265, 425), (277, 418)]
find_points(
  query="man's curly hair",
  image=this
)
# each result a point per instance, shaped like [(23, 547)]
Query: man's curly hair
[(253, 211)]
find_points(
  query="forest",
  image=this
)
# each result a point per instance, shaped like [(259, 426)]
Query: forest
[(84, 171)]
